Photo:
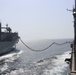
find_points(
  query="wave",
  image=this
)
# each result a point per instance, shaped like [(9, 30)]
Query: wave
[(51, 66), (11, 56), (60, 67), (48, 66), (55, 65), (5, 59)]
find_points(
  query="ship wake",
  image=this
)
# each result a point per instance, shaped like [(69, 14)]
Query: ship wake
[(55, 65), (7, 60)]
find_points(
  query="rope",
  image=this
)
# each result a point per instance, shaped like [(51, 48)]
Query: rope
[(35, 50)]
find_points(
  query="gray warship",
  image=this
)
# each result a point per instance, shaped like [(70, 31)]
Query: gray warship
[(8, 40)]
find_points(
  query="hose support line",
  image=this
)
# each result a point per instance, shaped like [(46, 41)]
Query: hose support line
[(35, 50)]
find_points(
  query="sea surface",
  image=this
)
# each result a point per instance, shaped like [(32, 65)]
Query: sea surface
[(23, 61)]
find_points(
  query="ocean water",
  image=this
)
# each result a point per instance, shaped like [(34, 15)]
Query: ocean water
[(23, 61)]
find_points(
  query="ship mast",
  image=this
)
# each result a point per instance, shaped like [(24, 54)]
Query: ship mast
[(73, 53), (74, 14), (75, 3)]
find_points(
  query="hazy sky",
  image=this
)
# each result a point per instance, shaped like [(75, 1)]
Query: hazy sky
[(38, 19)]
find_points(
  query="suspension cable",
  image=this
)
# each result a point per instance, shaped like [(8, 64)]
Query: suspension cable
[(35, 50)]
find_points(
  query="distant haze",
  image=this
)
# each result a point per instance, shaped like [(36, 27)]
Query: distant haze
[(38, 19)]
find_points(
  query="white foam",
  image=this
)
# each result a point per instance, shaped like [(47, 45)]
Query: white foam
[(5, 67), (11, 56), (59, 65)]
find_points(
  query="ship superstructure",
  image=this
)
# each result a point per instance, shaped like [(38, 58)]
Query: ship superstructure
[(8, 39)]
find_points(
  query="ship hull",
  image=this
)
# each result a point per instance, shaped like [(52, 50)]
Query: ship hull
[(6, 47)]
